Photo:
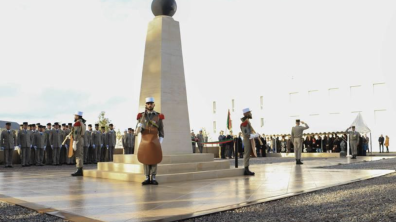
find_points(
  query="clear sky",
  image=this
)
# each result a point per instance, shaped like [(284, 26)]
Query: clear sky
[(59, 56)]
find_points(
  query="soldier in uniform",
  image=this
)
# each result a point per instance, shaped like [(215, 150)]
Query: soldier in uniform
[(56, 144), (48, 149), (32, 153), (7, 143), (96, 143), (40, 143), (91, 150), (297, 139), (248, 135), (63, 154), (148, 120), (200, 141), (111, 140), (130, 141), (103, 144), (78, 132), (87, 141), (354, 139), (25, 144)]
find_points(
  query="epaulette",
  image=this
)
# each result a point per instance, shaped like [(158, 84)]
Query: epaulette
[(161, 116), (139, 116), (245, 123), (77, 123)]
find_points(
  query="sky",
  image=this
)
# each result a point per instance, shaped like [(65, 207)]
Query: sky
[(60, 56)]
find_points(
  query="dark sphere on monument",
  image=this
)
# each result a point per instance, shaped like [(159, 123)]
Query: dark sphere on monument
[(164, 7)]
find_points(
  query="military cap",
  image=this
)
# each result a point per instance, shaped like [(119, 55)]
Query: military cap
[(96, 124), (297, 120), (56, 124), (63, 124), (130, 129), (90, 125), (70, 124), (103, 127), (49, 124), (8, 124), (25, 123)]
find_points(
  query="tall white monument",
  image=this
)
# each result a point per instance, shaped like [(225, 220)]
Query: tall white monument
[(163, 77)]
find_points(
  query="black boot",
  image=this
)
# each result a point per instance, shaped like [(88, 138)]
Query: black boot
[(78, 173), (299, 162), (147, 181), (153, 180), (248, 172), (354, 157)]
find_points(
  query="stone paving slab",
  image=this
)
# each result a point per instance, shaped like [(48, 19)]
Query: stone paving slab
[(107, 200)]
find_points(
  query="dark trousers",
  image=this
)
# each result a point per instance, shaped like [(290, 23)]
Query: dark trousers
[(86, 148), (111, 153), (8, 153), (222, 153), (91, 154), (103, 154), (48, 155)]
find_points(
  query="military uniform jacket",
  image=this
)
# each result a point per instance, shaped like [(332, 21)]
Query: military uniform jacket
[(154, 119), (66, 133), (56, 137), (87, 138), (111, 138), (8, 139), (32, 133), (200, 139), (103, 140), (78, 130), (297, 131), (353, 136), (24, 138), (130, 140), (246, 128), (40, 140), (124, 140), (96, 138), (48, 135)]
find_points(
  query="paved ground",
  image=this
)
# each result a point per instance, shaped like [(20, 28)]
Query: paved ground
[(270, 160), (369, 200)]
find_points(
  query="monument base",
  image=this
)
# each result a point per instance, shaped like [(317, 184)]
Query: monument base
[(173, 168)]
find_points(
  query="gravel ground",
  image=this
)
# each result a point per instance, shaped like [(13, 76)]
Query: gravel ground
[(369, 200), (9, 212)]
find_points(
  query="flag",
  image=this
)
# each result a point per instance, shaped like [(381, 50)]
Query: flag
[(229, 121)]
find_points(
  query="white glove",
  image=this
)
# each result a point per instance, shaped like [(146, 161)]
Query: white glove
[(75, 145), (107, 146), (67, 147), (94, 146), (45, 147), (161, 139), (140, 125), (253, 136), (52, 146), (35, 147), (2, 148)]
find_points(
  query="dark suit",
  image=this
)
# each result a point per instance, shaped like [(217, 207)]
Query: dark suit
[(222, 146)]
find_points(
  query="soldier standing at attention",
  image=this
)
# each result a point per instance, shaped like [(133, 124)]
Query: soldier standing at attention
[(103, 145), (150, 153), (91, 150), (200, 138), (25, 144), (63, 154), (48, 149), (7, 143), (40, 143), (248, 135), (87, 140), (297, 139), (32, 152), (354, 139), (111, 142), (56, 143), (78, 132), (96, 144), (131, 141)]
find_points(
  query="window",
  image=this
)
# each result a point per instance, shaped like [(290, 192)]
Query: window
[(334, 97), (214, 126), (214, 107), (293, 97), (233, 105), (380, 94), (262, 122), (295, 103), (262, 102), (356, 97), (314, 98)]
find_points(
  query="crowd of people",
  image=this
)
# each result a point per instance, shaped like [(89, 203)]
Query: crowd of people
[(312, 143), (41, 145)]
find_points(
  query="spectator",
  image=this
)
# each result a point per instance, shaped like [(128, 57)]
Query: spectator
[(193, 141), (308, 144), (387, 144), (264, 146), (222, 145), (200, 139), (318, 144), (230, 146), (289, 146), (381, 140), (239, 145)]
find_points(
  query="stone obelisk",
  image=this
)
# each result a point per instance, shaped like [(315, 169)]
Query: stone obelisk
[(163, 77)]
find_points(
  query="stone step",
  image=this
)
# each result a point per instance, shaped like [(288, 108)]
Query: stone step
[(165, 168), (165, 178), (168, 159)]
